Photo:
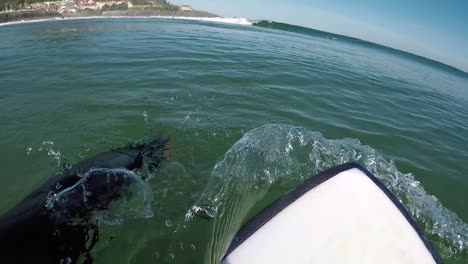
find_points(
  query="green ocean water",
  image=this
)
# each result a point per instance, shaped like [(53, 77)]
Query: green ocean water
[(251, 112)]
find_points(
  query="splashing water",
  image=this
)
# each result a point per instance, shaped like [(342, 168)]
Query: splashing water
[(145, 118), (133, 201), (137, 203), (287, 155), (54, 155), (153, 154)]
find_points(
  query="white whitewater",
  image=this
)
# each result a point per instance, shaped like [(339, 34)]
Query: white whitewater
[(222, 20)]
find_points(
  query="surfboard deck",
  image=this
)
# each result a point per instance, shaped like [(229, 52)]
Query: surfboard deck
[(343, 215)]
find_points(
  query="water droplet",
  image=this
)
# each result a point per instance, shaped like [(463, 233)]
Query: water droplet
[(66, 261), (187, 117), (145, 117), (172, 98), (192, 246), (196, 133), (207, 212), (190, 95), (85, 199), (58, 185), (198, 119), (81, 155), (28, 150), (214, 134), (163, 192), (168, 223), (50, 200)]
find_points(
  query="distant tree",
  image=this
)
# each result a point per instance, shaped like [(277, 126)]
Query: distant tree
[(141, 2), (123, 6), (19, 4)]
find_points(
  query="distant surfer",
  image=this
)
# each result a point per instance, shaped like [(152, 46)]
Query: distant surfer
[(54, 223)]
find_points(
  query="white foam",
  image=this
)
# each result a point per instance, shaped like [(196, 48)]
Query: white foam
[(223, 20), (28, 21)]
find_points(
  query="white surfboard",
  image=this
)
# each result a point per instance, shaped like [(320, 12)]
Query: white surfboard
[(344, 215)]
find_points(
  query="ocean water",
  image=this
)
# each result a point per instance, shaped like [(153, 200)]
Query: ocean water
[(251, 111)]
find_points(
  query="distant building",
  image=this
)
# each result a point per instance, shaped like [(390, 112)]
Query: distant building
[(98, 5), (45, 6), (86, 4), (185, 8), (74, 6)]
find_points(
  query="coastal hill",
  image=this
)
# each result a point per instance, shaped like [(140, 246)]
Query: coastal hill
[(11, 10)]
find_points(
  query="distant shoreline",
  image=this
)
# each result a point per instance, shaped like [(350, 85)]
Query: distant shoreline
[(217, 19), (29, 16), (202, 16)]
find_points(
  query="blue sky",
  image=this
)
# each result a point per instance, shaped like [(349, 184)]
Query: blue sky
[(435, 29)]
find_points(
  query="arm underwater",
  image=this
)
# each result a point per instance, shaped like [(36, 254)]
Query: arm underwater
[(54, 223)]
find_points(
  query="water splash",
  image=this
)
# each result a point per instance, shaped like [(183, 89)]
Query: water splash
[(66, 261), (287, 155), (145, 118), (154, 152), (186, 118), (54, 154), (132, 199)]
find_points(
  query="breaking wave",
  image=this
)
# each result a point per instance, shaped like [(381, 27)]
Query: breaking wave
[(287, 155), (224, 20)]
